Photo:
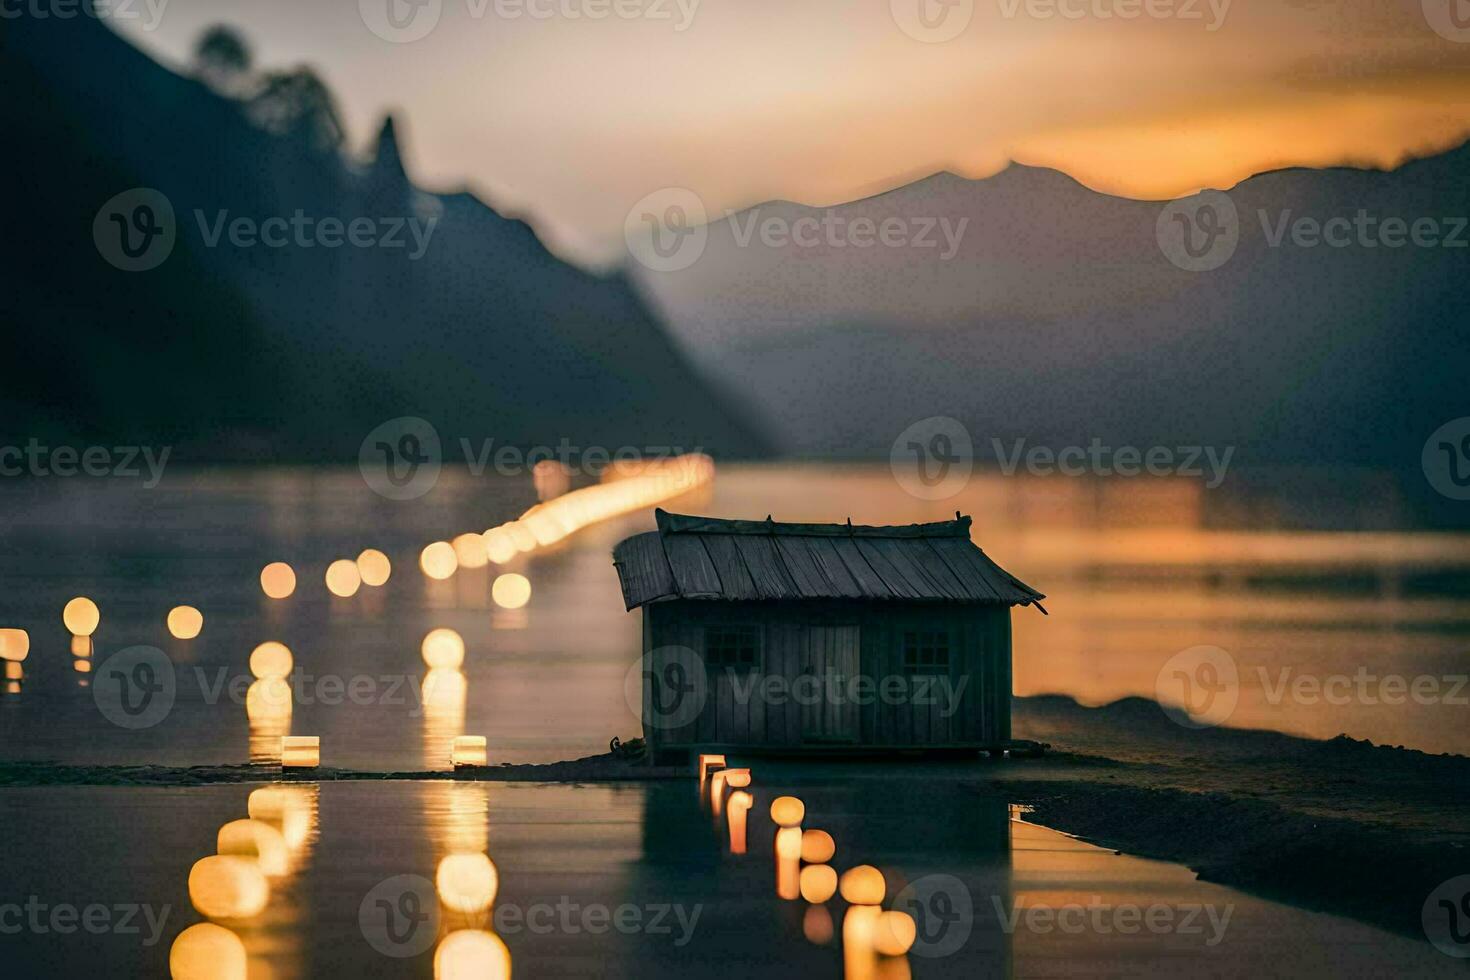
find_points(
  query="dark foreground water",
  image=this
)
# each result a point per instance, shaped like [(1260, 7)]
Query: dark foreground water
[(1333, 613), (628, 881)]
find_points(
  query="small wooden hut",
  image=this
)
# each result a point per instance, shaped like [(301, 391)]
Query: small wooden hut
[(820, 637)]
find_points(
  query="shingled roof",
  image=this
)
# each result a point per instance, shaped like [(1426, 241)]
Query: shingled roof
[(706, 558)]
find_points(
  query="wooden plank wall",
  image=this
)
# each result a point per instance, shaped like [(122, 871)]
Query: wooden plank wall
[(736, 713)]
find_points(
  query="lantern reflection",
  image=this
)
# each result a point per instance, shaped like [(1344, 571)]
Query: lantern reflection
[(466, 882), (894, 933), (816, 925), (258, 840), (290, 809), (458, 816), (228, 887), (471, 954), (207, 952)]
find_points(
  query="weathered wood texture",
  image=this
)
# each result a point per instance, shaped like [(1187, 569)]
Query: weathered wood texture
[(780, 704)]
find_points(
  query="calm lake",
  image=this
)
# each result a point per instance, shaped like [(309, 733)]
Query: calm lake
[(1328, 629)]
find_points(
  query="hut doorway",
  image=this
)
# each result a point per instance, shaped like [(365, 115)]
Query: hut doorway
[(829, 712)]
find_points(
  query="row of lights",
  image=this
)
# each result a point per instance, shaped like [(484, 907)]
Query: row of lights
[(873, 939)]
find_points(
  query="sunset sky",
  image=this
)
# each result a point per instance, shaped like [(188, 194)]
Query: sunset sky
[(569, 121)]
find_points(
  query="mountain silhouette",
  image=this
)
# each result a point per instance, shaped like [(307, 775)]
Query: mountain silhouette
[(1059, 318), (258, 341)]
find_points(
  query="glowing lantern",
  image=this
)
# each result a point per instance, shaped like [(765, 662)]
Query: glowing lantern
[(228, 887), (207, 952), (268, 699), (438, 560), (788, 843), (708, 762), (863, 885), (735, 811), (472, 954), (257, 840), (185, 622), (374, 567), (787, 811), (271, 659), (466, 882), (717, 790), (81, 646), (277, 580), (301, 751), (817, 847), (511, 591), (818, 883), (81, 616), (894, 933), (469, 750), (499, 546), (737, 778), (788, 863), (15, 645), (343, 579), (443, 648), (816, 925), (470, 551)]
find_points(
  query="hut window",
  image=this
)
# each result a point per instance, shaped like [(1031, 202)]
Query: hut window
[(732, 646), (926, 651)]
